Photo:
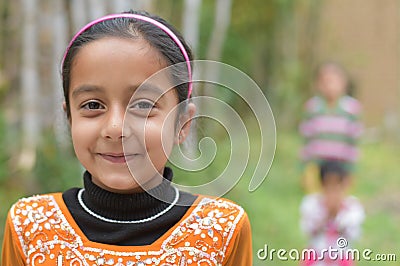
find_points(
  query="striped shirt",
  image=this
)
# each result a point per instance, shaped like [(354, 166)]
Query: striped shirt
[(331, 133)]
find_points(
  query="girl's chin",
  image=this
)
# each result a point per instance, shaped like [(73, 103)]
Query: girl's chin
[(123, 185), (128, 189)]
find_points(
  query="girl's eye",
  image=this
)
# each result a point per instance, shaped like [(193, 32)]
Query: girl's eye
[(143, 105), (92, 105)]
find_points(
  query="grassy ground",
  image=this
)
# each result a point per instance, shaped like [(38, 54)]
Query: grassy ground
[(273, 208)]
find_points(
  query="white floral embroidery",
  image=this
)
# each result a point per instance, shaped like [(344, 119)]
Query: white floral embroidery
[(47, 238)]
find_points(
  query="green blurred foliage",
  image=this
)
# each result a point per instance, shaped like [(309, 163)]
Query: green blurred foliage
[(4, 155), (57, 167)]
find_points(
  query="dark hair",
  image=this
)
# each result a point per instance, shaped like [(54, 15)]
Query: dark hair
[(332, 167), (131, 28)]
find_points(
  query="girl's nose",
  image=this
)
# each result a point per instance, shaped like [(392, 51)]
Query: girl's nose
[(113, 126)]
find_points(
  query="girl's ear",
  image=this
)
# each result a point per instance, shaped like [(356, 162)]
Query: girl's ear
[(185, 120), (64, 105)]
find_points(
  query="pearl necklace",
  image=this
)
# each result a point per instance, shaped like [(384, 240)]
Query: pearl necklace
[(127, 222)]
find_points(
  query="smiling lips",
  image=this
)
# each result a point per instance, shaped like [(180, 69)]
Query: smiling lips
[(117, 157)]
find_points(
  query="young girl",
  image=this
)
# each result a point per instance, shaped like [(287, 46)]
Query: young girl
[(124, 217), (331, 124), (329, 216)]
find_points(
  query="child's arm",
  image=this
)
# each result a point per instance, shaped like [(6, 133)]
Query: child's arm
[(11, 253), (241, 251), (350, 219), (313, 217)]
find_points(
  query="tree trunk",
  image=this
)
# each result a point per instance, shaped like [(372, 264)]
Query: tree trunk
[(222, 20), (29, 86), (119, 6), (3, 33), (78, 16), (190, 31), (191, 23), (221, 24), (97, 8), (222, 16), (60, 31)]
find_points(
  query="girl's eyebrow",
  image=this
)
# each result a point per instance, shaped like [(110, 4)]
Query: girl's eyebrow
[(144, 88), (148, 87), (85, 89)]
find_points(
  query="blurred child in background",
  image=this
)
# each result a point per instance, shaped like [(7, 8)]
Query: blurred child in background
[(331, 218), (331, 124)]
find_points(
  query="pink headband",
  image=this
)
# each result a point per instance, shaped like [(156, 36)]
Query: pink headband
[(143, 18)]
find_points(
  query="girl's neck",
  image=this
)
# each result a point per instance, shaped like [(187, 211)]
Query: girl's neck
[(331, 103)]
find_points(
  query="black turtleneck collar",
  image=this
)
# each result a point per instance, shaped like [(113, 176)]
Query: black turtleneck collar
[(126, 207), (134, 206)]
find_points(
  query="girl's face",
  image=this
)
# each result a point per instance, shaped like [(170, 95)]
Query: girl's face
[(334, 191), (331, 83), (104, 75)]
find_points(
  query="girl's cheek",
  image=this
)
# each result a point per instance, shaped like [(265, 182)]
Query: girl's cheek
[(159, 140), (153, 136)]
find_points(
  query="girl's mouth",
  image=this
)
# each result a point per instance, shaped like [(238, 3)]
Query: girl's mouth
[(117, 157)]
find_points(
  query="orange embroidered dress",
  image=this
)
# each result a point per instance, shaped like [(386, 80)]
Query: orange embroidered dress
[(41, 231)]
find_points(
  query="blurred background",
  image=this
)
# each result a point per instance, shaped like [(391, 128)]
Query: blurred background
[(278, 43)]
